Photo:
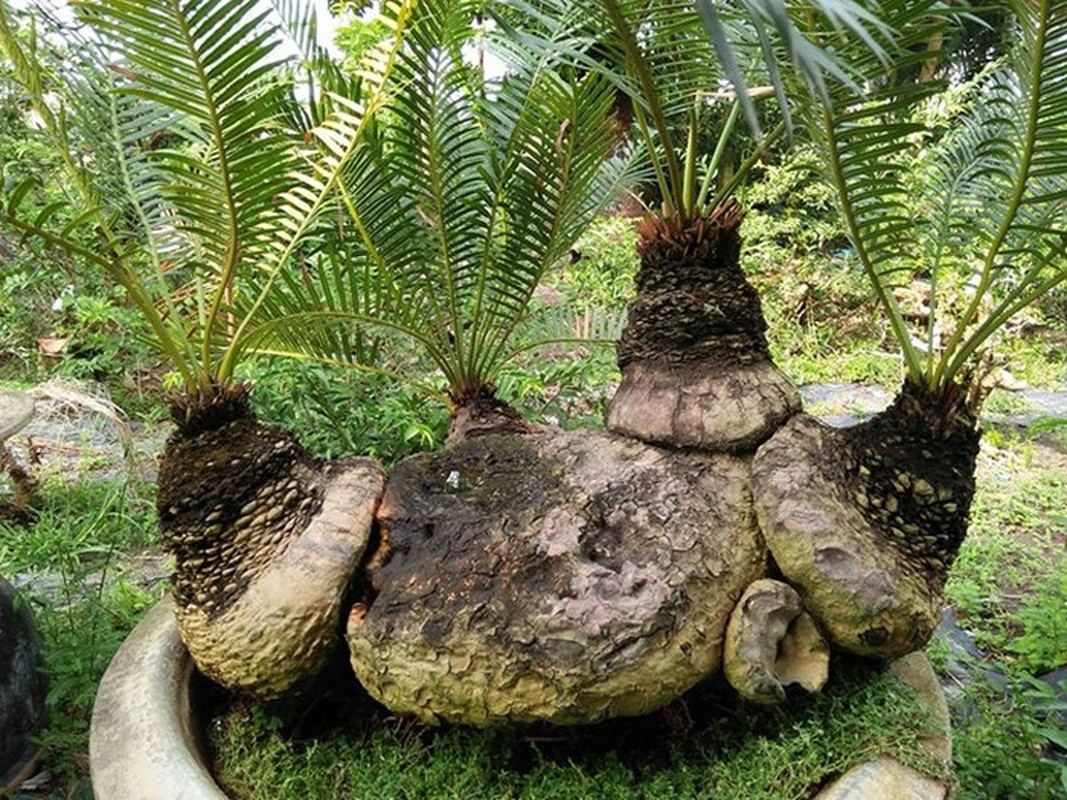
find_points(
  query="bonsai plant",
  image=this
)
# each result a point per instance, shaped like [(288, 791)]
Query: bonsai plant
[(174, 122), (866, 521)]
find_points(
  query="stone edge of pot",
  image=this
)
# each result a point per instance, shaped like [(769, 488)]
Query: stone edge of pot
[(885, 777), (143, 738), (143, 742)]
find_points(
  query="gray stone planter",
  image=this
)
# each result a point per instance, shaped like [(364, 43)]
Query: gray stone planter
[(144, 739), (16, 411)]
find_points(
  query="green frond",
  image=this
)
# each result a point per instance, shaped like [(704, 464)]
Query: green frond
[(867, 143), (314, 187), (462, 196), (975, 204), (1026, 256)]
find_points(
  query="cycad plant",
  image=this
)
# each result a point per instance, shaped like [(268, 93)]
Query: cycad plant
[(193, 173), (696, 367), (462, 194), (181, 154), (455, 197), (977, 211)]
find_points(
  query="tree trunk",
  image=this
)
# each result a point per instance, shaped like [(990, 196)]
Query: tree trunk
[(696, 368), (265, 539), (866, 521)]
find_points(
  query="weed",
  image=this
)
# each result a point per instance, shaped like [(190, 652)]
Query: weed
[(67, 563), (1000, 746)]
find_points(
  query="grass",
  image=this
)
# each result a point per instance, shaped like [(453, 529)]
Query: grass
[(1009, 589), (730, 751), (74, 561), (1009, 583)]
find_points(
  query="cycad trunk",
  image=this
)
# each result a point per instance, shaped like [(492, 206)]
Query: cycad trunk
[(561, 577), (265, 539), (481, 413), (865, 521), (696, 368)]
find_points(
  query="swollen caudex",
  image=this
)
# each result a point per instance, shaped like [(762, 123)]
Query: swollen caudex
[(266, 539), (696, 368), (864, 522)]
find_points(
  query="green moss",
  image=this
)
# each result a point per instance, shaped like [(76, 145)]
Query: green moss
[(729, 751)]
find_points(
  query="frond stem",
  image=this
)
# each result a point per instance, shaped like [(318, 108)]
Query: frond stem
[(885, 298), (651, 96), (1022, 179), (232, 256)]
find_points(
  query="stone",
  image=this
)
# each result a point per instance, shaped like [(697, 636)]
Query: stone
[(865, 595), (884, 778), (22, 684), (16, 411), (771, 644), (552, 577), (720, 409), (915, 672)]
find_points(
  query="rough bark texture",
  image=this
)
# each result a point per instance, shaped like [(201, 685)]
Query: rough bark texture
[(694, 344), (483, 415), (911, 470), (771, 644), (22, 684), (266, 539), (560, 577), (864, 522)]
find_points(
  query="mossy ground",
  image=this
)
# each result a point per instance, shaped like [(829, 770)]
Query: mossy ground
[(704, 747)]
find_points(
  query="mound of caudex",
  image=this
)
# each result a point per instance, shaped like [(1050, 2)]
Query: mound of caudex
[(696, 370), (266, 540), (533, 575), (865, 521), (557, 577)]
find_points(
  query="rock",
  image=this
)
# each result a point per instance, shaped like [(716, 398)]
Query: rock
[(22, 684), (266, 540), (16, 411), (722, 409), (884, 778), (915, 672), (771, 643), (870, 599), (557, 577)]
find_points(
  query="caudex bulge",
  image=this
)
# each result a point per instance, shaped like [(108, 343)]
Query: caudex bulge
[(562, 576)]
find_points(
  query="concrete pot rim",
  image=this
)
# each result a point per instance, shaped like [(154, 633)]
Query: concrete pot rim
[(143, 742), (144, 745)]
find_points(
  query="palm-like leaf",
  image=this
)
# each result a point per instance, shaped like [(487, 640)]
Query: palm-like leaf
[(221, 199), (993, 196), (463, 198), (658, 52)]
